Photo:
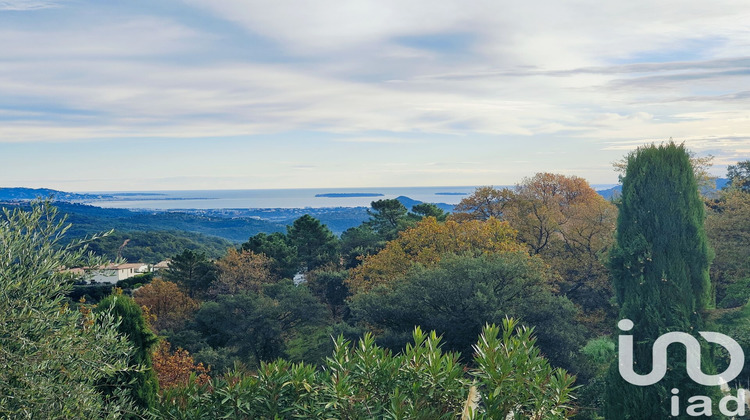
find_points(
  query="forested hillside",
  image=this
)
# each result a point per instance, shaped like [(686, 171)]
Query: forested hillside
[(88, 220), (507, 305), (154, 246)]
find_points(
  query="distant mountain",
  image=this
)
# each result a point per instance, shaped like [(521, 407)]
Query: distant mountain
[(409, 203), (611, 193), (25, 194), (721, 183)]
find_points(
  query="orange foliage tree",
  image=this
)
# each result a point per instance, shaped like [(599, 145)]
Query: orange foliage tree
[(174, 369), (566, 222), (543, 208), (484, 203), (168, 306), (240, 271), (429, 241), (547, 205)]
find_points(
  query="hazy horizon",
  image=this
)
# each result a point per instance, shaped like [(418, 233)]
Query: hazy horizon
[(353, 189)]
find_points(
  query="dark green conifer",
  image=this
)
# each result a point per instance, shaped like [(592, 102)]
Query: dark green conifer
[(660, 272), (143, 385), (316, 245)]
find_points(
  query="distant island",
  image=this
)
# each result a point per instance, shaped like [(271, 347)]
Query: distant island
[(450, 193), (344, 195)]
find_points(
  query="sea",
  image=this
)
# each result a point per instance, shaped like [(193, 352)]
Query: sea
[(275, 198)]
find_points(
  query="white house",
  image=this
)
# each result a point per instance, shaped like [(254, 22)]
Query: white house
[(116, 272), (163, 265)]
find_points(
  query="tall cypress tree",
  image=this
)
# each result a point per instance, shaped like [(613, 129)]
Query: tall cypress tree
[(142, 386), (660, 272)]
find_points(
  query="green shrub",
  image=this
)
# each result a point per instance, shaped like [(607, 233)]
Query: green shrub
[(366, 381), (130, 283)]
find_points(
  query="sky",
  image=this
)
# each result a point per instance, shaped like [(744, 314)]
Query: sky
[(244, 94)]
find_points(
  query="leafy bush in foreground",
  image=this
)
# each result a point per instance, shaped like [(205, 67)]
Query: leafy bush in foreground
[(365, 381), (51, 355)]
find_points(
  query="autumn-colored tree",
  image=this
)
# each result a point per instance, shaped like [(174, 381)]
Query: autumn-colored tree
[(728, 231), (739, 176), (174, 369), (544, 205), (579, 255), (566, 222), (167, 303), (387, 219), (571, 227), (426, 243), (542, 208), (242, 271), (484, 203)]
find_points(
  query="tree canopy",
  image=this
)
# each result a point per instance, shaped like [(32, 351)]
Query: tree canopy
[(256, 327), (169, 305), (277, 247), (242, 271), (387, 217), (566, 222), (192, 270), (459, 294), (316, 245), (427, 243), (728, 229), (739, 175)]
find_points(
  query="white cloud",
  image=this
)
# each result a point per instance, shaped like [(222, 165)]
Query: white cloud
[(549, 34), (26, 5), (330, 25), (126, 38), (606, 76)]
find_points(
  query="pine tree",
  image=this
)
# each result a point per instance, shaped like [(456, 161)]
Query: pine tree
[(660, 272), (192, 271), (315, 243)]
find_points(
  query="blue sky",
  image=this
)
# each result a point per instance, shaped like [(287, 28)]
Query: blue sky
[(168, 94)]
